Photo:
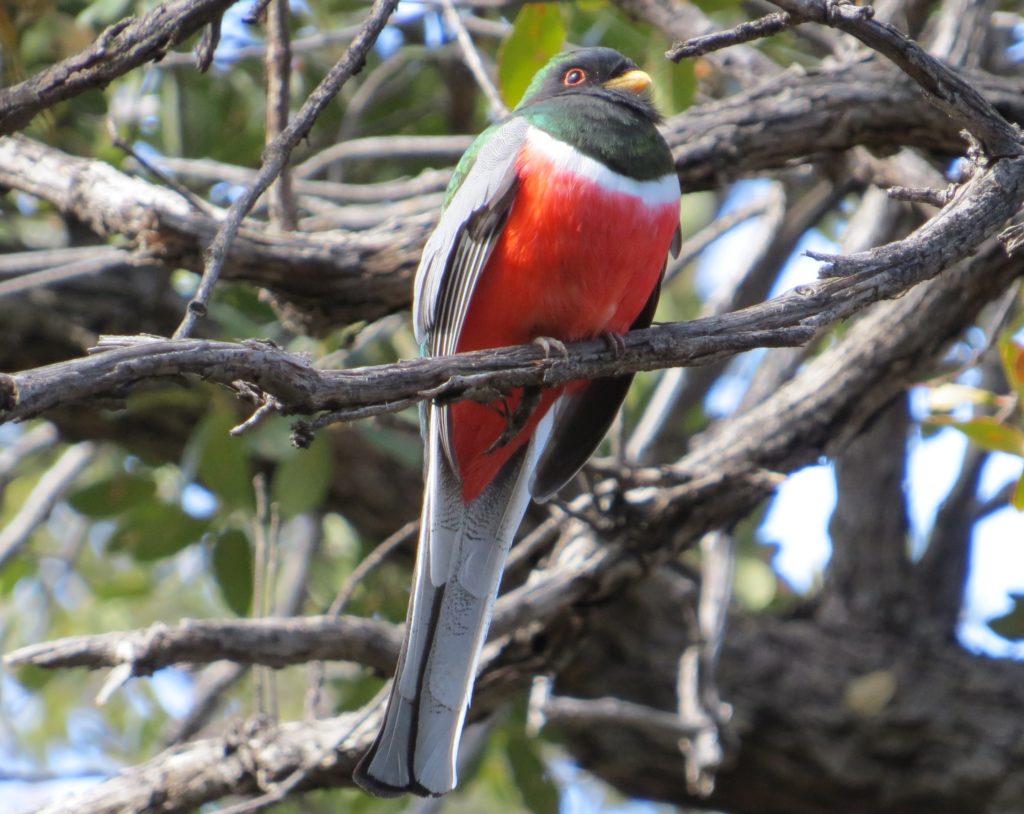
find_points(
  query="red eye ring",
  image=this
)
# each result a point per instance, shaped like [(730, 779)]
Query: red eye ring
[(573, 77)]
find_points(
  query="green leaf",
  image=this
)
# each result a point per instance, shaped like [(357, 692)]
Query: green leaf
[(113, 495), (540, 794), (990, 434), (155, 530), (1011, 625), (301, 480), (537, 35), (221, 460), (233, 570)]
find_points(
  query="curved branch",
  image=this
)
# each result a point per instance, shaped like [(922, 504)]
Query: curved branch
[(372, 390)]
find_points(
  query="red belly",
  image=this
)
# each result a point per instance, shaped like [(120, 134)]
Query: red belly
[(573, 262)]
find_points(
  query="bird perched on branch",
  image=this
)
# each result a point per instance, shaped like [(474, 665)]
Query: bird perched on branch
[(557, 225)]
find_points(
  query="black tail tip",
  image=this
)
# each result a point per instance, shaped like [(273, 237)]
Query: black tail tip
[(381, 788)]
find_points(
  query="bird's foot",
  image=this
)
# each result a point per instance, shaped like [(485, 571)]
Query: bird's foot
[(547, 343), (616, 344), (517, 417)]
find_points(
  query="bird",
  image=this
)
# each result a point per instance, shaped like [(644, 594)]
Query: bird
[(556, 227)]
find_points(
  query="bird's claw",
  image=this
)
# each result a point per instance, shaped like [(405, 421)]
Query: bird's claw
[(615, 342), (517, 417), (546, 344)]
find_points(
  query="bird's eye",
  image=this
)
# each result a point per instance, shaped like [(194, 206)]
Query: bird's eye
[(573, 77)]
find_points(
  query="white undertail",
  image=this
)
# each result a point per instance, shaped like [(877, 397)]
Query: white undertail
[(462, 551)]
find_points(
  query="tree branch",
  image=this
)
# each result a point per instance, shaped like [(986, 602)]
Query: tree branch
[(37, 507), (244, 761), (868, 573), (127, 44), (274, 642), (943, 86), (364, 391), (744, 32), (277, 153), (278, 66)]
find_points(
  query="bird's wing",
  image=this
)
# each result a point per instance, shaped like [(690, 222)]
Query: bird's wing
[(462, 548), (485, 186), (471, 224)]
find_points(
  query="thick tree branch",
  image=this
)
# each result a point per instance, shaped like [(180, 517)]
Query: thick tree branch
[(799, 115), (344, 276), (943, 86), (366, 391), (866, 581)]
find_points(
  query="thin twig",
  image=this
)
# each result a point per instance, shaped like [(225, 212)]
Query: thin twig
[(40, 502), (926, 195), (745, 32), (380, 191), (696, 691), (28, 443), (197, 203), (471, 57), (601, 712), (276, 155), (266, 532), (16, 264), (278, 64), (695, 244), (450, 147), (100, 261)]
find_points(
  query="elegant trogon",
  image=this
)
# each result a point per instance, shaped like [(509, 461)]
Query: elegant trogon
[(557, 224)]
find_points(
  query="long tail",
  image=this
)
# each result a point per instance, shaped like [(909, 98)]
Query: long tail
[(462, 551)]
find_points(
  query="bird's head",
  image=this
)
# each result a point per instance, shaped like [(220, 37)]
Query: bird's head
[(599, 72)]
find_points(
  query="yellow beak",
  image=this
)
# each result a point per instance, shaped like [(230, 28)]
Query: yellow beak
[(637, 81)]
